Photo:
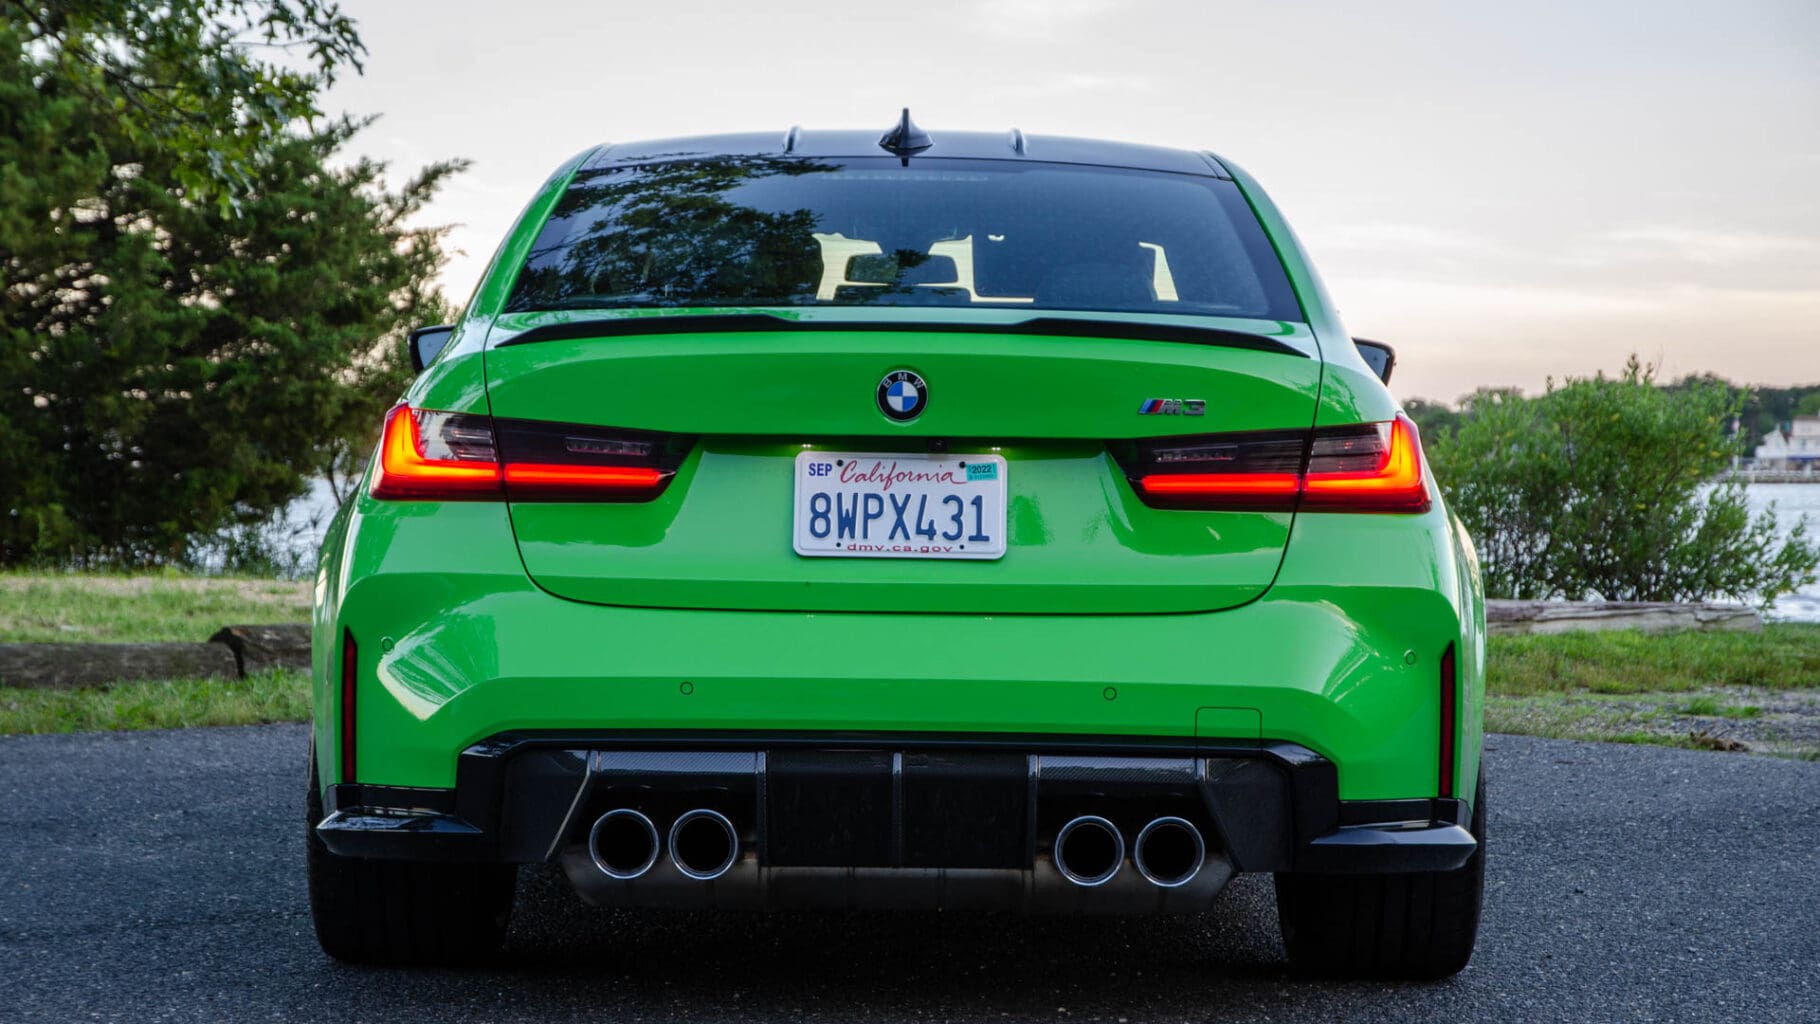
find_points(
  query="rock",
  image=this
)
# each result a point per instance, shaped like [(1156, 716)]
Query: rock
[(67, 666), (1515, 617), (257, 648)]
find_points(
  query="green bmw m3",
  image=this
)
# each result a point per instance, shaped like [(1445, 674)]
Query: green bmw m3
[(946, 519)]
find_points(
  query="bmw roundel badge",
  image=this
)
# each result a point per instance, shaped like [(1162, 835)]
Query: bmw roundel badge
[(902, 395)]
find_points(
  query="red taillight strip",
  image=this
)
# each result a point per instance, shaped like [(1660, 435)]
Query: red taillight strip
[(1395, 486), (1449, 712), (405, 473), (536, 478), (350, 667), (1237, 487)]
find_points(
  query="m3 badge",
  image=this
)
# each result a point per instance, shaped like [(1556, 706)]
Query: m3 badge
[(1173, 407)]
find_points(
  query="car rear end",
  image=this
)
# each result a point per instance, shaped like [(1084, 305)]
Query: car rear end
[(990, 524)]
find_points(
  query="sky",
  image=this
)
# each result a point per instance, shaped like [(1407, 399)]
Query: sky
[(1506, 193)]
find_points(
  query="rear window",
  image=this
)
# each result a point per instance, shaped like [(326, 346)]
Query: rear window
[(764, 231)]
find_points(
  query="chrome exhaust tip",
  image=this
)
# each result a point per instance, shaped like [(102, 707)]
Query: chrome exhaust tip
[(623, 843), (1169, 852), (1089, 850), (703, 844)]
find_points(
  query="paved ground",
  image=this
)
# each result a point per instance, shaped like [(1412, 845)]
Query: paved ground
[(158, 876)]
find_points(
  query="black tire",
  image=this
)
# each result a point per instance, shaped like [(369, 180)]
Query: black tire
[(403, 912), (1410, 926)]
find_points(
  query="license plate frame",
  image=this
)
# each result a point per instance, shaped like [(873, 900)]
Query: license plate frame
[(916, 493)]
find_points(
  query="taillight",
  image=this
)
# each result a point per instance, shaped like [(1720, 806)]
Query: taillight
[(436, 455), (1377, 469), (1374, 467), (445, 456)]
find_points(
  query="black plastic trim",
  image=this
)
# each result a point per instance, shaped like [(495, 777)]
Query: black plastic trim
[(1045, 326), (1273, 805), (1388, 849)]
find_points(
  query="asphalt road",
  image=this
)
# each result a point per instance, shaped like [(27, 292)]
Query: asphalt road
[(158, 876)]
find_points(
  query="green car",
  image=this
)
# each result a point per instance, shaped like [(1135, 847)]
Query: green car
[(960, 520)]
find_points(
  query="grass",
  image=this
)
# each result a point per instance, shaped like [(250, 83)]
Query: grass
[(54, 607), (1708, 691), (275, 696), (1681, 689), (1783, 656)]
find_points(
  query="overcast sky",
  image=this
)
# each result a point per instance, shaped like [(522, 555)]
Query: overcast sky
[(1504, 192)]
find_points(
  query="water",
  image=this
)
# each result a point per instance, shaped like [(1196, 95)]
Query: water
[(308, 516), (1794, 503)]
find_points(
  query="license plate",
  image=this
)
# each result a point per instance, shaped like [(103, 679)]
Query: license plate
[(867, 505)]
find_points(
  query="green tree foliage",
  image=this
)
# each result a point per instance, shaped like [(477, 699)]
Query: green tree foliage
[(1602, 487), (212, 84), (1763, 408), (1432, 418), (179, 355)]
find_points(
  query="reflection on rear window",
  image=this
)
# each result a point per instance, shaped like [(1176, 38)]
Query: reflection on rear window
[(764, 231)]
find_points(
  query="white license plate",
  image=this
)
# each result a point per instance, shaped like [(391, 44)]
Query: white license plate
[(867, 505)]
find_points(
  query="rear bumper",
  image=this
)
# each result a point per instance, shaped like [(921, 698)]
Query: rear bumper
[(898, 820)]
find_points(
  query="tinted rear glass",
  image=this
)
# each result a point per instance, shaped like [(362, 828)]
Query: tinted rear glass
[(763, 231)]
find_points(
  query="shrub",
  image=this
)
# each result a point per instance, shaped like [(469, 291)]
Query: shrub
[(1601, 488)]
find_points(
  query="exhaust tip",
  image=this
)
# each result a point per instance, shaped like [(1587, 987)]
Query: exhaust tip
[(703, 844), (623, 843), (1169, 852), (1089, 850)]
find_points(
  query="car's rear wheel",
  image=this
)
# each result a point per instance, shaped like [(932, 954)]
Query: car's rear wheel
[(403, 912), (1389, 926)]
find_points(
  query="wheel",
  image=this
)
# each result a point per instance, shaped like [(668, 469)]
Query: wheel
[(1386, 926), (403, 912)]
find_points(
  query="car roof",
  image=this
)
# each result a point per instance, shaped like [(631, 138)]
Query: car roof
[(1010, 145)]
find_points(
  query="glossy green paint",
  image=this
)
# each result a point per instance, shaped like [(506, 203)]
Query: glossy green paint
[(1331, 635), (1079, 541), (809, 384), (719, 536), (1342, 655), (1351, 393)]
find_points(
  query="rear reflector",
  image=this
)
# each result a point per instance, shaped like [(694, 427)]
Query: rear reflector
[(350, 665), (445, 456), (1449, 712), (1373, 467)]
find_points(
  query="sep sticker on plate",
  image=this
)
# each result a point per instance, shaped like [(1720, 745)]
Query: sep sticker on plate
[(869, 505)]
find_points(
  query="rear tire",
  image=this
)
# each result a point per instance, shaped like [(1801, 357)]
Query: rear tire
[(1411, 926), (403, 912)]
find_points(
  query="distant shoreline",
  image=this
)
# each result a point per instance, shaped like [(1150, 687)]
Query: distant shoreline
[(1772, 476)]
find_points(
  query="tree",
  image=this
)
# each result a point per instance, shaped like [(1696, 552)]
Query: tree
[(179, 360), (213, 84), (1432, 418), (1602, 487)]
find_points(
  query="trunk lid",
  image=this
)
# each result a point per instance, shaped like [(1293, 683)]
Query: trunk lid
[(1078, 539)]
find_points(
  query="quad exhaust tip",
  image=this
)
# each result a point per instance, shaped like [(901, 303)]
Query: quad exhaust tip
[(1089, 851), (703, 844), (623, 843), (1169, 852)]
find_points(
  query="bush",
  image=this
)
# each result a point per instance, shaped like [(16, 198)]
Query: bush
[(1601, 489)]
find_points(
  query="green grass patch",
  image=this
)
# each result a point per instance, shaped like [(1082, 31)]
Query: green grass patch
[(147, 608), (1709, 706), (1703, 691), (1783, 656), (275, 696)]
